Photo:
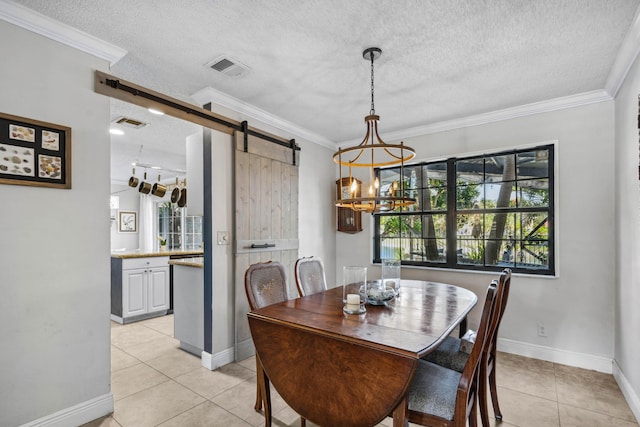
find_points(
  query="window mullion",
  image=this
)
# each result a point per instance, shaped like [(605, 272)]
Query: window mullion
[(451, 213)]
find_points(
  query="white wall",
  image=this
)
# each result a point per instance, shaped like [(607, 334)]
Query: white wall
[(627, 320), (54, 268), (577, 307)]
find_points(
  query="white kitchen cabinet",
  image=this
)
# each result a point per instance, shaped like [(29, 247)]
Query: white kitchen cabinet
[(139, 288)]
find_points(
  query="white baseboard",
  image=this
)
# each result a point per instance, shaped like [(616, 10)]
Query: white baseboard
[(78, 414), (214, 361), (564, 357), (627, 390)]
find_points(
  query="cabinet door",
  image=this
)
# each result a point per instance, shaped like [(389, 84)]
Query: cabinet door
[(134, 292), (158, 282)]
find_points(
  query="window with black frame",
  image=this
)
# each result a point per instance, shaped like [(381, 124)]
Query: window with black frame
[(482, 212)]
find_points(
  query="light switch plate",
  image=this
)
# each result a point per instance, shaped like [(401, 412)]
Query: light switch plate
[(223, 237)]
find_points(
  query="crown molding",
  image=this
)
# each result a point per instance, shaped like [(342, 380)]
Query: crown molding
[(499, 115), (625, 58), (38, 23), (209, 94)]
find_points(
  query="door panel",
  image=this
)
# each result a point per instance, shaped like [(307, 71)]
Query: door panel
[(266, 183), (135, 297), (158, 289)]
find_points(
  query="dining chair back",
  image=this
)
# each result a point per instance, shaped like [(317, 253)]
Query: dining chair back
[(488, 366), (310, 278), (265, 284), (444, 397), (450, 355)]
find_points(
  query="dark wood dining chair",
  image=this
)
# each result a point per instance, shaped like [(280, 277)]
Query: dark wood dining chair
[(443, 397), (265, 284), (449, 354), (310, 278)]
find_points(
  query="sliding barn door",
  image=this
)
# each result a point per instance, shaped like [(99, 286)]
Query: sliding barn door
[(266, 219)]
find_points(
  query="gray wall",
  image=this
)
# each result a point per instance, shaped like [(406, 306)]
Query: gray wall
[(627, 320), (577, 307), (54, 268)]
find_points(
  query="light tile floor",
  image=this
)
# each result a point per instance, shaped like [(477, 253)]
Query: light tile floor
[(154, 383)]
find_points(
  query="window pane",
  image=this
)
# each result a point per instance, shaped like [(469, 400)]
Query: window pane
[(390, 226), (470, 171), (470, 226), (470, 251), (501, 195), (434, 226), (500, 168), (533, 254), (431, 250), (533, 164), (470, 196), (534, 192), (505, 252), (390, 247), (434, 199), (534, 225), (435, 174)]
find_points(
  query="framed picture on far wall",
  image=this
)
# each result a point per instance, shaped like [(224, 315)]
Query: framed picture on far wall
[(127, 222), (34, 153)]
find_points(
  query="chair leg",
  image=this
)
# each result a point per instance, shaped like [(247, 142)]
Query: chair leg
[(494, 390), (462, 328), (482, 393), (473, 414), (258, 405)]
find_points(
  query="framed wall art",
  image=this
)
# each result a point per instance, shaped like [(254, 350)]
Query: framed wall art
[(127, 222), (34, 153)]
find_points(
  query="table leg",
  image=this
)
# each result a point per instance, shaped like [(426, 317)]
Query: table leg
[(400, 414)]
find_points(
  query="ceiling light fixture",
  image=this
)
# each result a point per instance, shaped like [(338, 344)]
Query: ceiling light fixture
[(156, 112), (373, 152), (114, 131)]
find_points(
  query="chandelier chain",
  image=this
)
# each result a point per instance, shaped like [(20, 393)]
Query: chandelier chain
[(373, 108)]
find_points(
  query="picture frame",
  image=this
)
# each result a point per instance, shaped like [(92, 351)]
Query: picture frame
[(34, 153), (127, 222)]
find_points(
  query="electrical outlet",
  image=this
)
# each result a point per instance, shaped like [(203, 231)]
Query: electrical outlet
[(223, 237), (542, 330)]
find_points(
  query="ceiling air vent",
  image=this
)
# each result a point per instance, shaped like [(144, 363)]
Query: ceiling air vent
[(227, 66), (129, 122)]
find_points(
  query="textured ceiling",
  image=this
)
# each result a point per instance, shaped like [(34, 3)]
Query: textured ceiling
[(441, 59)]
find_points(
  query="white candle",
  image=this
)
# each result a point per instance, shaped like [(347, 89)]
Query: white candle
[(353, 299)]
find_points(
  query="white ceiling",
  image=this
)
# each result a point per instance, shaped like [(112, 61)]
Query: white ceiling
[(441, 60)]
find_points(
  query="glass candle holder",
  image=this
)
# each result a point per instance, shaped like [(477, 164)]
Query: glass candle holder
[(390, 275), (354, 289)]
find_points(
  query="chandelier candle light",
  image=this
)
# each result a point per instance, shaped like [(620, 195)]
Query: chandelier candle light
[(373, 152)]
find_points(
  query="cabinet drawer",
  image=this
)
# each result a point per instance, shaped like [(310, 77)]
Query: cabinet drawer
[(130, 263)]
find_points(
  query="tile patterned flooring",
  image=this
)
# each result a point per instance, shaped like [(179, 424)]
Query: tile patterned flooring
[(154, 383)]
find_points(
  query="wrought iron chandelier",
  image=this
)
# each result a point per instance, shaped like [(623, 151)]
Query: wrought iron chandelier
[(373, 152)]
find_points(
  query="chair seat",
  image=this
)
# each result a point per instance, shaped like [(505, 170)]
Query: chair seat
[(433, 390), (448, 355)]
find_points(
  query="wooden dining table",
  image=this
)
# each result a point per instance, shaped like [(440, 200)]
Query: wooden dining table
[(338, 369)]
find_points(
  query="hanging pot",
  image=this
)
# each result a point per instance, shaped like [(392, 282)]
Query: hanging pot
[(182, 201), (144, 188), (158, 189), (133, 181), (175, 193)]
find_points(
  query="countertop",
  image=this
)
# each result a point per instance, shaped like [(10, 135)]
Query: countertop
[(137, 254), (197, 262)]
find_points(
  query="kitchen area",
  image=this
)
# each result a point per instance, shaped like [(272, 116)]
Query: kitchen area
[(156, 209)]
